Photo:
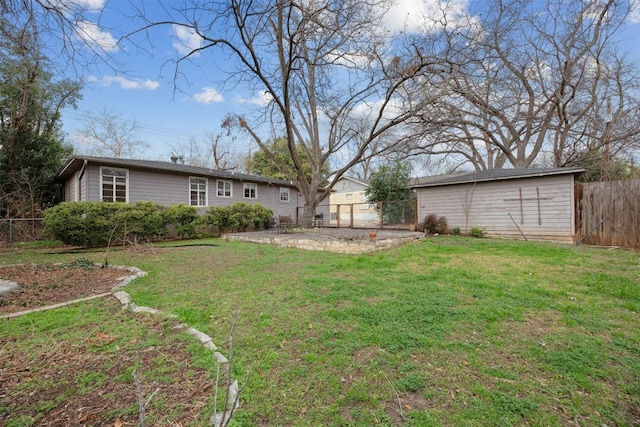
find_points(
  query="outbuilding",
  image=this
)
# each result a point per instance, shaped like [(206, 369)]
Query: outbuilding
[(536, 204)]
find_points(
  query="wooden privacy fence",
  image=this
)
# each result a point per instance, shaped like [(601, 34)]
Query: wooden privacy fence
[(610, 211)]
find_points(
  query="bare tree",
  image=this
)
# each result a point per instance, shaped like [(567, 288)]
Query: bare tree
[(224, 157), (106, 133), (317, 65), (73, 41), (212, 152), (530, 80)]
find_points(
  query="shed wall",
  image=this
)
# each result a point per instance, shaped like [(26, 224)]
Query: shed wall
[(541, 207), (70, 189)]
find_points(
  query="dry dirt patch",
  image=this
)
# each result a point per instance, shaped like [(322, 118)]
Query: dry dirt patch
[(47, 284), (86, 383), (59, 386)]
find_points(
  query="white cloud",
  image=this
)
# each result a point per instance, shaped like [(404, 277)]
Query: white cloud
[(261, 100), (413, 15), (127, 84), (208, 95), (634, 14), (91, 34), (187, 40), (90, 5), (370, 110), (67, 6)]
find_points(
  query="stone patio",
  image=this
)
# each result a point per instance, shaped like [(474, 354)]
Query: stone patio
[(340, 240)]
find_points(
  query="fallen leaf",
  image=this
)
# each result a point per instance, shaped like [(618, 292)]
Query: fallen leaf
[(105, 337), (118, 422)]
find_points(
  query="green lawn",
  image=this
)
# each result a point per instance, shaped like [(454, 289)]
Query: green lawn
[(446, 331)]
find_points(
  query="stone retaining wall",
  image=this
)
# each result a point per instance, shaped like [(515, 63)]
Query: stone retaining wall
[(355, 244)]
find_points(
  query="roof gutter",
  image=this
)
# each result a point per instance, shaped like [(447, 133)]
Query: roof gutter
[(83, 169)]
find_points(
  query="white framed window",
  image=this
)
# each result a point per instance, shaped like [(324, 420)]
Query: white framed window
[(284, 194), (250, 190), (114, 184), (224, 188), (349, 197), (197, 191)]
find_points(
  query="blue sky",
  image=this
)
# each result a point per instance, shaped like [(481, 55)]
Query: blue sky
[(169, 113), (168, 116)]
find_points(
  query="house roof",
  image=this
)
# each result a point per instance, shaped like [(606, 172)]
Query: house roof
[(364, 182), (489, 175), (76, 162)]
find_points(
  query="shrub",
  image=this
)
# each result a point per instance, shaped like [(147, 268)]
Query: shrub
[(434, 225), (429, 224), (144, 220), (237, 216), (217, 218), (441, 225), (476, 232), (240, 216), (93, 224), (261, 217), (87, 224), (456, 231), (182, 218)]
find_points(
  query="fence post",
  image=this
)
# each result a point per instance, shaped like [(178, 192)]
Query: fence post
[(351, 215), (10, 231)]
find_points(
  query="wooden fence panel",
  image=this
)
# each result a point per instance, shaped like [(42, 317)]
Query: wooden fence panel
[(617, 203)]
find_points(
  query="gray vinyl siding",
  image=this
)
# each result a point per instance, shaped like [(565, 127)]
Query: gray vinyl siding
[(70, 189), (547, 211), (75, 189), (170, 189), (83, 187)]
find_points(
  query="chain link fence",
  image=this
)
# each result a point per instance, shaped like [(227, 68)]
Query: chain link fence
[(392, 214), (16, 230)]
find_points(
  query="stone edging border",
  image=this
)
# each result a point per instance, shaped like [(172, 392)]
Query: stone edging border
[(14, 286), (125, 301), (207, 342)]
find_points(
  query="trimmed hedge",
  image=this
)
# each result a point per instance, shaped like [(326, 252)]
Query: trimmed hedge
[(237, 217), (94, 224), (182, 218)]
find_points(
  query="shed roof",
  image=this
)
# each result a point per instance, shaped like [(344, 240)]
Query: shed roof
[(75, 163), (489, 175)]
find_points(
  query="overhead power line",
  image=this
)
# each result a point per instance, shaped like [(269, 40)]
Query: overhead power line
[(151, 129)]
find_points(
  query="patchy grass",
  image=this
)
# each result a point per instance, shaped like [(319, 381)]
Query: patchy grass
[(447, 331), (73, 366)]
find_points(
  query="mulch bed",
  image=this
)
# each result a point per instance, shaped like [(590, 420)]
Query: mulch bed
[(46, 284)]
